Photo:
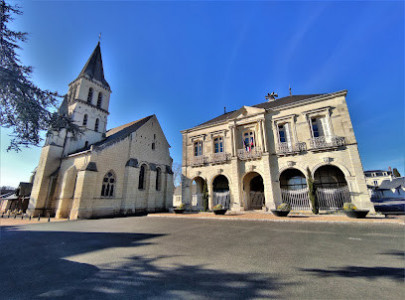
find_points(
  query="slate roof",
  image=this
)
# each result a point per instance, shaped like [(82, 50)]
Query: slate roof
[(374, 171), (118, 133), (395, 183), (63, 109), (265, 105), (94, 67)]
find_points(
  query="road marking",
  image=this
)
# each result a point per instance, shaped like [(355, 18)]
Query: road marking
[(354, 239)]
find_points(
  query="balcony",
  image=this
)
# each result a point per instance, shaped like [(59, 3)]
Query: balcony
[(199, 161), (326, 143), (284, 149), (220, 158), (255, 153)]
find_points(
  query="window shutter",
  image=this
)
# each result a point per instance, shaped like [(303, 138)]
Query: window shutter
[(325, 127), (288, 134)]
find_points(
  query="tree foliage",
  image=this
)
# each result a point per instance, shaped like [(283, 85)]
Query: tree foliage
[(312, 193), (24, 107), (396, 172), (176, 173), (205, 196)]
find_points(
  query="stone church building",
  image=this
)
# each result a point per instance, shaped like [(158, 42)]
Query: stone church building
[(260, 156), (122, 171)]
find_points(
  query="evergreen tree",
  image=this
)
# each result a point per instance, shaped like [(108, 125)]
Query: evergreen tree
[(312, 193), (396, 173), (205, 197), (24, 107)]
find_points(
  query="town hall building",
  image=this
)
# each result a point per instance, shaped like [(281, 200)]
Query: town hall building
[(260, 156), (122, 171)]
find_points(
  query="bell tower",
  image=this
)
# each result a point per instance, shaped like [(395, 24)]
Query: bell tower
[(88, 100)]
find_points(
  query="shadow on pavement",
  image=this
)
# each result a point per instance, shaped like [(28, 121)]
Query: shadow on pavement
[(396, 274), (33, 264)]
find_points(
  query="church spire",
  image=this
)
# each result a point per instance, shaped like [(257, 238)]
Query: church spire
[(93, 69)]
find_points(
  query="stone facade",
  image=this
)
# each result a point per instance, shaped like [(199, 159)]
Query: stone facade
[(259, 156), (122, 171)]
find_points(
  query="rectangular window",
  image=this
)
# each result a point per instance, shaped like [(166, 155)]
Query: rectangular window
[(248, 140), (281, 133), (198, 148), (218, 145), (315, 127)]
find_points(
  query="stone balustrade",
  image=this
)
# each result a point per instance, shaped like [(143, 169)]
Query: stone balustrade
[(199, 160), (254, 153), (326, 142), (221, 157), (289, 149)]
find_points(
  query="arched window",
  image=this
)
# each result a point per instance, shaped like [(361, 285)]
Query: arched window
[(153, 146), (141, 184), (107, 189), (90, 95), (99, 99), (96, 125), (84, 120), (158, 178)]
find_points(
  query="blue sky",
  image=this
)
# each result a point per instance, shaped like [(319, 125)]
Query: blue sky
[(185, 61)]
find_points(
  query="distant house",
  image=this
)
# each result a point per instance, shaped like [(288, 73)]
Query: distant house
[(389, 197), (18, 200), (375, 177)]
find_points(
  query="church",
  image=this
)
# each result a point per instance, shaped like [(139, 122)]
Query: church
[(126, 170)]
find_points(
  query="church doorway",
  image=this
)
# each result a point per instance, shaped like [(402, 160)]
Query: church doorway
[(221, 195), (253, 191)]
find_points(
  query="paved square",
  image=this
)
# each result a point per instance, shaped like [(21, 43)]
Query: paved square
[(146, 257)]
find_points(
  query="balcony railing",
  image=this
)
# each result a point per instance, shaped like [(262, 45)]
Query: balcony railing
[(219, 158), (254, 153), (200, 160), (326, 142), (288, 149)]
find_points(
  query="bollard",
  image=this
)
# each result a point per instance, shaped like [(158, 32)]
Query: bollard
[(30, 217), (49, 219), (68, 218), (22, 217), (39, 218), (15, 216), (2, 215)]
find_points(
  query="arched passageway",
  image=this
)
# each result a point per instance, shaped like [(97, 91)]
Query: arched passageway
[(253, 191), (294, 190), (220, 187), (197, 191), (331, 187)]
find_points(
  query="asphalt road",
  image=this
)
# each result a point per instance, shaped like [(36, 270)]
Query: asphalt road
[(146, 257)]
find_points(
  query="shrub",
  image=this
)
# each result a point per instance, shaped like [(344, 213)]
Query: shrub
[(284, 207), (218, 207), (312, 193), (349, 206), (181, 206), (205, 197)]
